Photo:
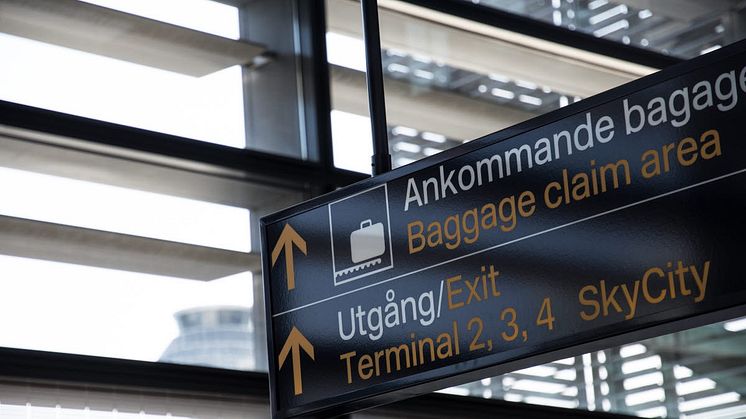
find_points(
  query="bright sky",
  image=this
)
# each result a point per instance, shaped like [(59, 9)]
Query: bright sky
[(208, 108), (71, 308), (78, 309), (129, 211)]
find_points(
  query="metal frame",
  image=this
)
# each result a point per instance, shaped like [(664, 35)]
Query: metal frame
[(149, 42), (474, 46), (306, 28), (458, 407), (252, 387), (246, 164), (45, 366), (318, 103), (376, 96), (527, 26)]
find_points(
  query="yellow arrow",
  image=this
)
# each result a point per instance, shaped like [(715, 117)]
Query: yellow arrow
[(288, 238), (296, 341)]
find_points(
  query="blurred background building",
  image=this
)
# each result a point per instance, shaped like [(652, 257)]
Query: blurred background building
[(220, 337)]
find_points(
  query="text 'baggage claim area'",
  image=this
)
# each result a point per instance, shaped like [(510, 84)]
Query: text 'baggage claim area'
[(593, 225)]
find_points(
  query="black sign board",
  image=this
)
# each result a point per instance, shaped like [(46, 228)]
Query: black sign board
[(616, 218)]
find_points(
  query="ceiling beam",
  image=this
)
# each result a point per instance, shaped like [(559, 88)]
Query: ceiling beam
[(456, 116), (124, 36), (485, 49), (81, 246)]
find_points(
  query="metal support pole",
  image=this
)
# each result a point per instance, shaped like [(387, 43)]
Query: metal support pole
[(376, 101)]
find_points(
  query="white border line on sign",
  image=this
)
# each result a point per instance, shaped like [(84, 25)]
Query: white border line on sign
[(549, 230)]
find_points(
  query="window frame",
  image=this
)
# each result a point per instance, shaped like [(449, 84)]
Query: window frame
[(311, 174)]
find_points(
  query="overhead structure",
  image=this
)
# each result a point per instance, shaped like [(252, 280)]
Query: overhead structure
[(124, 36)]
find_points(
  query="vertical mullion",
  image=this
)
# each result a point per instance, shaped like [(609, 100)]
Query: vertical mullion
[(271, 91), (316, 85)]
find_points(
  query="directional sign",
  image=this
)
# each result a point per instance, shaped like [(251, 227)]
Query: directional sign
[(295, 342), (620, 217), (285, 243)]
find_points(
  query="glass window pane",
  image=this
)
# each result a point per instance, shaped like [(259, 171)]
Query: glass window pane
[(207, 108), (202, 15), (441, 94), (352, 142), (103, 207), (345, 51), (129, 259), (697, 373), (58, 400), (85, 310), (682, 28)]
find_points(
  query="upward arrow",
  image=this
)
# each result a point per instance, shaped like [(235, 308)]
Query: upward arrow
[(288, 238), (296, 341)]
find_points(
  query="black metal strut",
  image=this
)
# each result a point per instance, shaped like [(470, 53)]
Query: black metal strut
[(381, 159)]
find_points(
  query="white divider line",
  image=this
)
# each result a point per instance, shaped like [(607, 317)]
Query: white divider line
[(519, 239), (440, 297)]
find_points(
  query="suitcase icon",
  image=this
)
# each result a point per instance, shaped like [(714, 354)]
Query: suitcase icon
[(367, 242), (369, 249)]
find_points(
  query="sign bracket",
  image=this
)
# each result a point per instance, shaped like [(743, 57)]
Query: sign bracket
[(381, 159)]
